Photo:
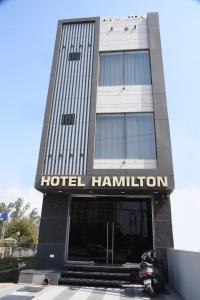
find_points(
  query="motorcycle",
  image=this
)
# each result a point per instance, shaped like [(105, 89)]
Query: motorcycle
[(150, 273)]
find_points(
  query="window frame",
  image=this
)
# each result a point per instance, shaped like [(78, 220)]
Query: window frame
[(124, 52), (124, 114)]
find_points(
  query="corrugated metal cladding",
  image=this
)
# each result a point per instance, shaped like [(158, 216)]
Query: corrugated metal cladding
[(66, 149)]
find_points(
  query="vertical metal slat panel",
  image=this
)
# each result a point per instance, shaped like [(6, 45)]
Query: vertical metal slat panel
[(66, 149), (48, 154)]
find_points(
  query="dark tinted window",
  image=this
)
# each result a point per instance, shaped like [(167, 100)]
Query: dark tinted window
[(74, 56), (67, 119)]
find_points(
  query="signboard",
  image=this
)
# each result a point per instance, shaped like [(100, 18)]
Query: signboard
[(3, 216), (105, 181)]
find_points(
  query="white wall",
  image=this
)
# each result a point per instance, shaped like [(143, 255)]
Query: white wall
[(184, 273), (125, 164), (118, 38), (133, 98)]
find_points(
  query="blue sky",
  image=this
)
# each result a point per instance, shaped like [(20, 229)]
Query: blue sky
[(27, 35)]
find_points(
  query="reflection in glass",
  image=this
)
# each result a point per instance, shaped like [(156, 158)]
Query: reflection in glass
[(125, 136), (99, 224)]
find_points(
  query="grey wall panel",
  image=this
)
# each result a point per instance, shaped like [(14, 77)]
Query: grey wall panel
[(164, 155), (53, 232), (66, 146)]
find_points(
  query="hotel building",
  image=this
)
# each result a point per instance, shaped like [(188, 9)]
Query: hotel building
[(105, 165)]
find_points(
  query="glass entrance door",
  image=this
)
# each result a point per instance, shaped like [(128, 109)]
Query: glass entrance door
[(109, 230), (110, 237)]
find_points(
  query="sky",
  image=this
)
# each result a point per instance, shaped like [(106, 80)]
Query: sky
[(27, 36)]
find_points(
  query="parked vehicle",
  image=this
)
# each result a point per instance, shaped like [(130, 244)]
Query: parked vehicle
[(150, 273)]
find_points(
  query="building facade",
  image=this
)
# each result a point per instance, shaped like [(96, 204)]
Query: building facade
[(105, 165)]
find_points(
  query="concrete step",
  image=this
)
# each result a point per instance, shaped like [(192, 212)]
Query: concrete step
[(96, 275), (99, 275), (92, 282), (101, 268)]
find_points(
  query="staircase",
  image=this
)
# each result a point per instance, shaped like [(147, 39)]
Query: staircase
[(98, 275)]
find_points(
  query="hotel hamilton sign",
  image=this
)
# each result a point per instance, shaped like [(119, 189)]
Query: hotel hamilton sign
[(105, 181)]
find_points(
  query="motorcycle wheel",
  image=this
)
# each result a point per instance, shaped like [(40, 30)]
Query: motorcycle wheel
[(149, 289)]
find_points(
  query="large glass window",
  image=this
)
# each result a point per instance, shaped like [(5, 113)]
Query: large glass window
[(124, 68), (122, 222), (125, 136)]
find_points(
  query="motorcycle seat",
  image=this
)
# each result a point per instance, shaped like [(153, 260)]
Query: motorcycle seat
[(145, 264)]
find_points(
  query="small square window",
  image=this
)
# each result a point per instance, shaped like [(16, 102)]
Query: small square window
[(67, 119), (74, 56)]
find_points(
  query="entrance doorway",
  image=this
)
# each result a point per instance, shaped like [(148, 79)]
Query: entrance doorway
[(109, 230)]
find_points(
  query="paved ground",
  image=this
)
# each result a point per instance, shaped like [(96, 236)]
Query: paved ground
[(28, 291), (4, 285)]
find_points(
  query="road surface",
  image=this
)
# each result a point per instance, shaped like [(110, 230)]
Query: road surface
[(28, 291)]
